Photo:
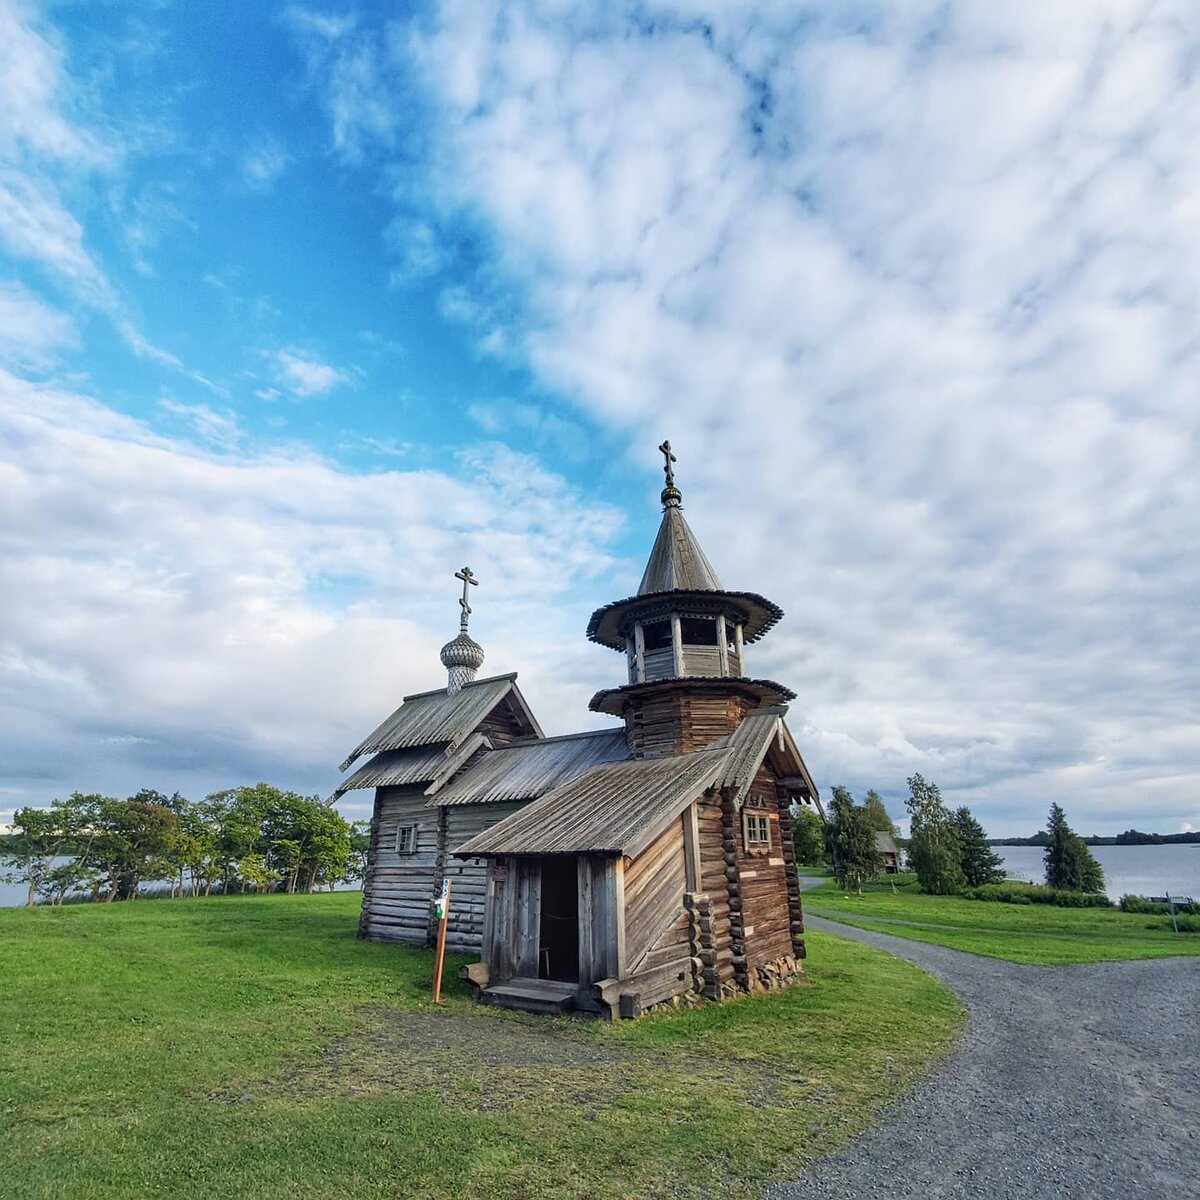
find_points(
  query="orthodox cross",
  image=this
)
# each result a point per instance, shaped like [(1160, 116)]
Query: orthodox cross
[(665, 451), (468, 581)]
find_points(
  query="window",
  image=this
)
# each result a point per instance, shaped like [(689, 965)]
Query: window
[(756, 831), (698, 631), (656, 635), (406, 839)]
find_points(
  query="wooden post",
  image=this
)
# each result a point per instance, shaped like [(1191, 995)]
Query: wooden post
[(443, 911), (722, 645)]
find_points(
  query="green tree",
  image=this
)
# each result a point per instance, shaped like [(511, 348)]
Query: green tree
[(1069, 863), (877, 814), (360, 848), (980, 863), (852, 842), (933, 850), (39, 836)]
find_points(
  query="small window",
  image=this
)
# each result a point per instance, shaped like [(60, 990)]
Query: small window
[(756, 831), (698, 631), (656, 635), (406, 839)]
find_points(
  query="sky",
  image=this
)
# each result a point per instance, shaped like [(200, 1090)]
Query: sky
[(303, 308)]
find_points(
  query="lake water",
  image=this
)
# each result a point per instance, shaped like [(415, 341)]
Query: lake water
[(12, 895), (1139, 870)]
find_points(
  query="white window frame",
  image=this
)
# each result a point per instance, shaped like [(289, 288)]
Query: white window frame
[(412, 829), (756, 830)]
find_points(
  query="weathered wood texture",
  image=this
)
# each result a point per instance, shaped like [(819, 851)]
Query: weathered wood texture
[(398, 894), (469, 877), (654, 885), (602, 929), (763, 881), (675, 722), (503, 725), (716, 954)]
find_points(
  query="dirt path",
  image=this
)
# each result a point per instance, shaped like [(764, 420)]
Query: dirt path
[(1072, 1083)]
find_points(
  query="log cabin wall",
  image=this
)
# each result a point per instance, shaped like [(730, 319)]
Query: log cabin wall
[(788, 845), (468, 877), (764, 880), (399, 888), (676, 722), (716, 953), (503, 726)]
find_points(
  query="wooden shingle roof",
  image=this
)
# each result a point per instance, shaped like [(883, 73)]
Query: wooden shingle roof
[(615, 808)]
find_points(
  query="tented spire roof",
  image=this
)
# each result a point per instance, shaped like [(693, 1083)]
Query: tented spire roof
[(677, 563)]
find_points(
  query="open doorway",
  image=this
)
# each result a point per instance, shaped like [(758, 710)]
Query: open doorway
[(558, 956)]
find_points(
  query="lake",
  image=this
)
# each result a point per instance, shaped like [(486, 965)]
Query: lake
[(1139, 870), (12, 895), (1142, 870)]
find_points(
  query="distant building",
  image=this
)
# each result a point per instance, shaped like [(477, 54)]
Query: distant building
[(607, 871), (886, 845)]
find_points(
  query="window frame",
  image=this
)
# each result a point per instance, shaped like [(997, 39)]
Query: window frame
[(759, 818), (407, 826)]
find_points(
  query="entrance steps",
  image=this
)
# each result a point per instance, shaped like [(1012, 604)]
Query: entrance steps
[(532, 995)]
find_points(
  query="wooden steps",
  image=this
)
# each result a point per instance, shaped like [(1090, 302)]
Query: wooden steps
[(532, 995)]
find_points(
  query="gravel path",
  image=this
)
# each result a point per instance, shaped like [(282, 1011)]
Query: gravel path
[(1072, 1083)]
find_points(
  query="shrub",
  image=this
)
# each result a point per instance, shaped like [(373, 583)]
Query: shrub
[(1014, 892), (1185, 924), (1142, 904)]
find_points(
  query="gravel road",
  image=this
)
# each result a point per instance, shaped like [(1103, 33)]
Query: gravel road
[(1072, 1083)]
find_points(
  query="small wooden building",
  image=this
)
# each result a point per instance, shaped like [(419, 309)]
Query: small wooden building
[(885, 844), (608, 871)]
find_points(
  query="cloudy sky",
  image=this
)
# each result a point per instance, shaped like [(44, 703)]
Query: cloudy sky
[(303, 308)]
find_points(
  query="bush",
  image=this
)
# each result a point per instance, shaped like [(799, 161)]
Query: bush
[(1185, 924), (1141, 904), (1036, 893)]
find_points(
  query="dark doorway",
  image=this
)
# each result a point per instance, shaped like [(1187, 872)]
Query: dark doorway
[(558, 956)]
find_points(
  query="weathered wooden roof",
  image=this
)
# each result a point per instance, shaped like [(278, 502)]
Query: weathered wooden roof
[(417, 764), (441, 718), (761, 736), (676, 561), (765, 691), (614, 808), (885, 843), (756, 613), (530, 769)]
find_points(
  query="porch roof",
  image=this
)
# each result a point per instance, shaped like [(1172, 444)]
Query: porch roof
[(614, 808)]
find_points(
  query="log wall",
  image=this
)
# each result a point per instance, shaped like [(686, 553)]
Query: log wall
[(716, 952), (469, 876), (655, 882), (764, 881), (675, 722), (399, 888)]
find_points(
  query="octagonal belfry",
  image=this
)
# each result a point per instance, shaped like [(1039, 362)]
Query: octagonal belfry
[(684, 637)]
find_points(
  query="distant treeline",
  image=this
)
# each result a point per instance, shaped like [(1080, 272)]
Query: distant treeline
[(1131, 837), (255, 838)]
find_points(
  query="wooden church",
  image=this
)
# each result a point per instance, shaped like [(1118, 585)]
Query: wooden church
[(614, 870)]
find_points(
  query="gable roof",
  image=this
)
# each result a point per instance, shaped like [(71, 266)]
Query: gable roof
[(676, 561), (444, 718), (417, 764), (885, 843), (614, 808), (529, 769)]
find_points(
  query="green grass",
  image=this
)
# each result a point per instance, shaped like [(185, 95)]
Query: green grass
[(1024, 933), (251, 1046)]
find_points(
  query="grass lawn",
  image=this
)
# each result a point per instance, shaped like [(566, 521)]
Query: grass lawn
[(1024, 933), (251, 1046)]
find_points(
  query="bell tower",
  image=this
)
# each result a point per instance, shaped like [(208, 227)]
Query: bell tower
[(684, 638)]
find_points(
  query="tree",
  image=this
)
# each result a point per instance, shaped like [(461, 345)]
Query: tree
[(1069, 863), (809, 836), (360, 848), (40, 835), (934, 851), (980, 863), (877, 814), (852, 842)]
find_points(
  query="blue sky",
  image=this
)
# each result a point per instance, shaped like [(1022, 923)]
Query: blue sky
[(303, 307)]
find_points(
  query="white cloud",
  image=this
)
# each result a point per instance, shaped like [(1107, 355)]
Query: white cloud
[(262, 164), (179, 618), (913, 290), (30, 331), (303, 374)]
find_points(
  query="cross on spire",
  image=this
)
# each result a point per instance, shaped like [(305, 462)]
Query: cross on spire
[(468, 581), (665, 451), (671, 496)]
